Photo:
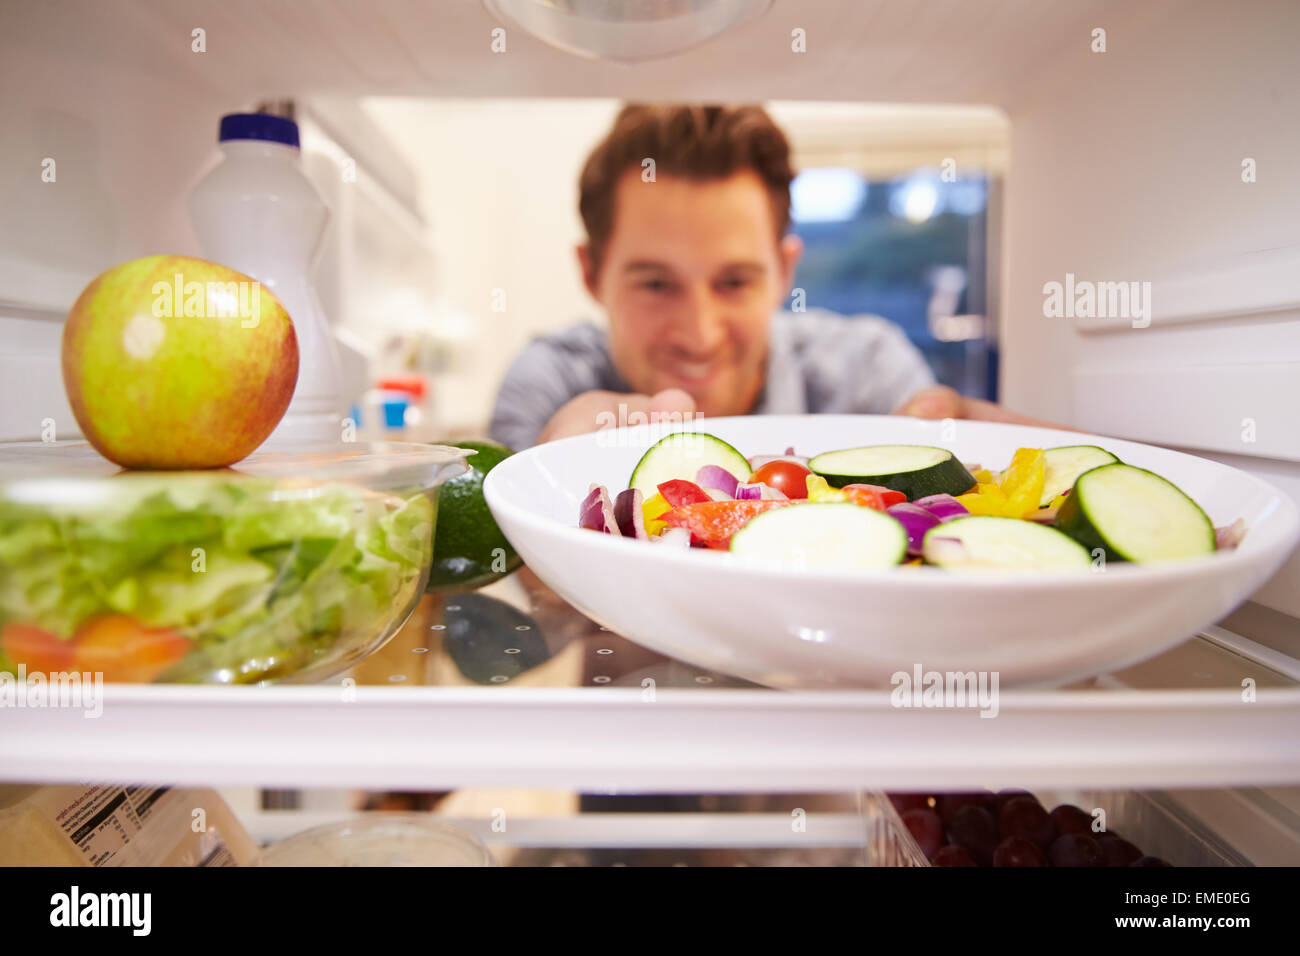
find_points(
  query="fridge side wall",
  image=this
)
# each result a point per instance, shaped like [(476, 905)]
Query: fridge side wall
[(1160, 169)]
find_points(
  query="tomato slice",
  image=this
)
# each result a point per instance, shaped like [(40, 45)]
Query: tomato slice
[(680, 492), (873, 496), (788, 477), (37, 650), (714, 522), (123, 649)]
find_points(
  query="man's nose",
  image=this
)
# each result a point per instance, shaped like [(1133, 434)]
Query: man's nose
[(701, 328)]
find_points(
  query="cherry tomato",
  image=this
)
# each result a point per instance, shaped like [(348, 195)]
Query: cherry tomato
[(123, 649), (714, 522), (873, 496), (39, 651), (788, 477), (680, 492)]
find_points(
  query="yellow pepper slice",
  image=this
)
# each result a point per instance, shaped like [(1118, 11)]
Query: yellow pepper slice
[(1017, 491), (651, 509), (987, 499), (1022, 483), (819, 490)]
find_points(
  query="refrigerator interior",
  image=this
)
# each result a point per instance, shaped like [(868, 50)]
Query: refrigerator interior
[(1165, 160)]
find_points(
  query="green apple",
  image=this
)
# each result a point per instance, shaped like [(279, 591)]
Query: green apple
[(172, 362)]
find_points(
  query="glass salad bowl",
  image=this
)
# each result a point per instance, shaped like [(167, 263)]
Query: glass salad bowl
[(288, 566)]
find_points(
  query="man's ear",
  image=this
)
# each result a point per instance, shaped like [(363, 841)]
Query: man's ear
[(588, 267), (791, 249)]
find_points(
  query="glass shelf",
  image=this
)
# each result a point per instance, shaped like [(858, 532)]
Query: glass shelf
[(509, 686)]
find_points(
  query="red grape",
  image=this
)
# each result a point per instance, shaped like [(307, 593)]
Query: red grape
[(952, 856), (1070, 819), (1076, 849), (1017, 851), (909, 801), (1025, 817), (926, 828), (972, 828), (1003, 797), (949, 803), (1117, 851)]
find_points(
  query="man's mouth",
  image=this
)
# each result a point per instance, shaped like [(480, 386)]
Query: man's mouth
[(692, 371)]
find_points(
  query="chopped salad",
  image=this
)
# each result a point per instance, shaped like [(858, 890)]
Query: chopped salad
[(1056, 509), (234, 581)]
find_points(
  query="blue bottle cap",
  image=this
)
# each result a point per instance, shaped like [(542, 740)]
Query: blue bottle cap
[(395, 412), (261, 126)]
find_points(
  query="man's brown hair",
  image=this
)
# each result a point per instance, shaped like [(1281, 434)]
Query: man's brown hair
[(693, 142)]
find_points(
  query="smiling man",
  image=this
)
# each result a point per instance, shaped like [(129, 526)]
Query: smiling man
[(692, 261)]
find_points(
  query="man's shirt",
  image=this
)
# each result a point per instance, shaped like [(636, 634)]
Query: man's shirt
[(818, 362)]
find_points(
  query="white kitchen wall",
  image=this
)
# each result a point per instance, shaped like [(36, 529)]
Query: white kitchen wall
[(499, 189), (1127, 165)]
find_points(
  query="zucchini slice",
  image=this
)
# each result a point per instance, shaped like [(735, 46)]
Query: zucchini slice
[(915, 470), (984, 541), (1066, 464), (830, 536), (682, 455), (1134, 515)]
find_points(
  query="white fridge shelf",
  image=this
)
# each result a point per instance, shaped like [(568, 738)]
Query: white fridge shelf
[(510, 687), (612, 740)]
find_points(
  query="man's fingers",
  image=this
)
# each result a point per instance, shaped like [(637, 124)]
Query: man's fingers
[(939, 401), (672, 400)]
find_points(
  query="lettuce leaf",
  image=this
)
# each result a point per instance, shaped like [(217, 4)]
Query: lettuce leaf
[(265, 580)]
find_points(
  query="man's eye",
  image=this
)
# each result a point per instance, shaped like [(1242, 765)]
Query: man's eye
[(655, 285), (735, 285)]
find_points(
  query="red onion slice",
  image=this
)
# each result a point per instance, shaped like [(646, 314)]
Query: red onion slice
[(717, 478), (946, 550), (628, 514), (1227, 538), (675, 538), (598, 512), (943, 507), (758, 461), (916, 521)]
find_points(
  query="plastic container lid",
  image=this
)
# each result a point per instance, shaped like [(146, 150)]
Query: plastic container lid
[(380, 839), (259, 126)]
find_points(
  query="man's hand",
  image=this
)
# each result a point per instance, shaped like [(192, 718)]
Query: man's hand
[(940, 401), (585, 412)]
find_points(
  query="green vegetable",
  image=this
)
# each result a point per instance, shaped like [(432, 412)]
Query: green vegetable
[(682, 455), (1064, 465), (1134, 515), (469, 550), (267, 580), (918, 471)]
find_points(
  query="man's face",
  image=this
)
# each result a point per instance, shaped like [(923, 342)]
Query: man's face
[(690, 278)]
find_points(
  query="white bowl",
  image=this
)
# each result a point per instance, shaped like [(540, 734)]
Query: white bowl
[(795, 628)]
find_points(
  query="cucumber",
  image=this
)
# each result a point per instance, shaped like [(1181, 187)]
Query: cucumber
[(831, 536), (682, 455), (1134, 515), (1066, 464), (915, 470), (984, 541)]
